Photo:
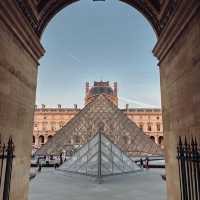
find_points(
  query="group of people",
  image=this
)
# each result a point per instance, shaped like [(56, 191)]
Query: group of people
[(47, 159), (144, 163)]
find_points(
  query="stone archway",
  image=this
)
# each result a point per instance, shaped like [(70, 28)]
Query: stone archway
[(49, 137), (41, 139), (177, 26), (160, 140), (33, 139), (152, 138)]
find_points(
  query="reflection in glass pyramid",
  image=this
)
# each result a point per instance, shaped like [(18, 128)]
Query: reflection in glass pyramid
[(99, 157)]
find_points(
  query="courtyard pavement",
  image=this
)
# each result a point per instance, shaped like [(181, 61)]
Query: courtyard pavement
[(51, 184)]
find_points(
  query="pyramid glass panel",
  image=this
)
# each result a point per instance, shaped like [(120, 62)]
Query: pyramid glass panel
[(100, 157)]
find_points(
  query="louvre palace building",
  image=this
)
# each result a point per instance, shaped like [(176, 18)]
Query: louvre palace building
[(49, 120)]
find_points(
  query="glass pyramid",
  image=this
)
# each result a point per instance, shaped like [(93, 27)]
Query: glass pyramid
[(99, 157), (115, 123)]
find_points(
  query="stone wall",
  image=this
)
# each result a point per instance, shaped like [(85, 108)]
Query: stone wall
[(18, 77), (180, 88), (17, 95)]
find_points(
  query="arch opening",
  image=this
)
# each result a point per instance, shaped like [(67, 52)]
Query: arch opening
[(152, 138), (49, 137), (160, 140), (74, 140), (41, 139), (33, 139)]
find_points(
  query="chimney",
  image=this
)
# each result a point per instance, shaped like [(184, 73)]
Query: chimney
[(127, 107), (59, 106), (87, 86), (43, 106), (75, 106), (115, 89)]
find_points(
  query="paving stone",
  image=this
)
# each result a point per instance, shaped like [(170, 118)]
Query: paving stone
[(51, 184)]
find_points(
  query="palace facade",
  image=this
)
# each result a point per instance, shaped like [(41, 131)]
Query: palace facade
[(49, 120)]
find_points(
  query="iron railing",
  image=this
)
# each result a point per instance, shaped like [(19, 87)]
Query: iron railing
[(6, 160), (189, 169)]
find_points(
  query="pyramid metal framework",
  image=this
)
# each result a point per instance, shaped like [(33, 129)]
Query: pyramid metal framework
[(115, 124), (99, 158)]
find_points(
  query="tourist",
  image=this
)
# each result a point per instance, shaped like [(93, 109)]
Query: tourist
[(61, 159), (56, 165), (39, 168), (38, 161), (141, 162), (147, 163)]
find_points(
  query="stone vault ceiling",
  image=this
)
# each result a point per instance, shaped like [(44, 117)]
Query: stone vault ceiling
[(150, 9), (40, 12)]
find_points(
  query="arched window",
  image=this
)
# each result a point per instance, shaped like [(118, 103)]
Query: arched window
[(33, 139), (149, 127), (41, 139), (152, 138), (160, 140), (49, 137), (158, 127)]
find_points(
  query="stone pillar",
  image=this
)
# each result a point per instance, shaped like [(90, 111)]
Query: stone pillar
[(37, 141), (19, 52), (45, 138), (178, 51), (156, 139)]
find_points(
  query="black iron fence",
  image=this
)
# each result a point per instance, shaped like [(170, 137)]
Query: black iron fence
[(189, 169), (6, 160)]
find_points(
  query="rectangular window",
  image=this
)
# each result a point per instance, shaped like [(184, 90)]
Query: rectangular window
[(158, 127), (149, 127)]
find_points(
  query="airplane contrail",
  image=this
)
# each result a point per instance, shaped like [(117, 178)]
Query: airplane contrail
[(137, 102), (74, 57)]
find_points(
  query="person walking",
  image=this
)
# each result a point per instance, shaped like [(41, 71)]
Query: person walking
[(147, 163), (61, 159), (141, 163), (40, 168)]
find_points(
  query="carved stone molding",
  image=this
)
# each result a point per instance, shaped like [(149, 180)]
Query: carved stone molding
[(18, 25), (150, 8), (161, 14), (168, 13), (28, 12), (184, 11)]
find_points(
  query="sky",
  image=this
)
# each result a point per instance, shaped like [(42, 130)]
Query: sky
[(93, 41)]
